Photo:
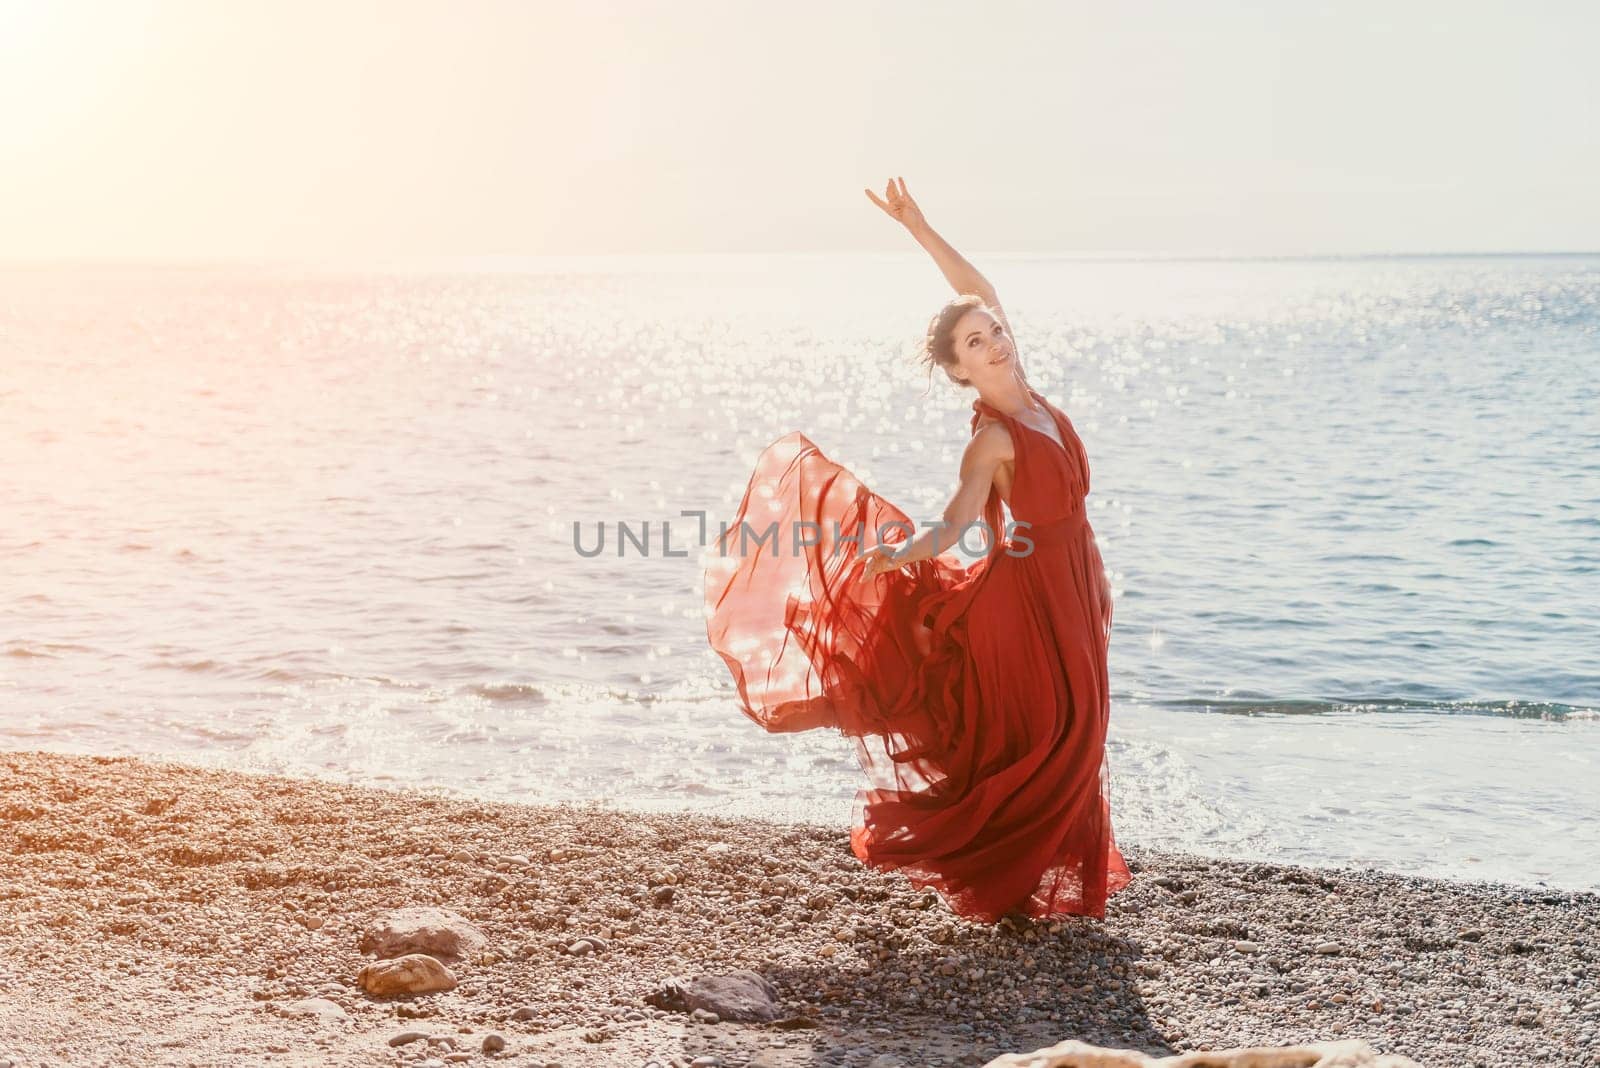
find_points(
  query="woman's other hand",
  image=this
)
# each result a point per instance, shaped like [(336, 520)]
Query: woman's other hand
[(879, 559), (899, 206)]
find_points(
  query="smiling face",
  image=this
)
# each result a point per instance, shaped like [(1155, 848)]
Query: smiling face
[(983, 349)]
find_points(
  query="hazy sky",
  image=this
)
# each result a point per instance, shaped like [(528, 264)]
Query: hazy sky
[(357, 129)]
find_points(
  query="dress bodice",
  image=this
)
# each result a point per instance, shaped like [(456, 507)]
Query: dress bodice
[(1051, 479)]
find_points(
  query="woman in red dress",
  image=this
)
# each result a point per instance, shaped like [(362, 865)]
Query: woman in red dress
[(977, 695)]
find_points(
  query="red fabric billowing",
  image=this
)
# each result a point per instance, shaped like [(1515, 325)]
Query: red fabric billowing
[(977, 696)]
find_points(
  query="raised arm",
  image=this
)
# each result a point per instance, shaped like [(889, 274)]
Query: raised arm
[(966, 278)]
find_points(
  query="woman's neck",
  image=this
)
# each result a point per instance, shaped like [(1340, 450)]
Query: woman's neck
[(1012, 398)]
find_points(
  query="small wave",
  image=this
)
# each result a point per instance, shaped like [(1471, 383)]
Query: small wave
[(511, 693), (1551, 710), (693, 789), (1360, 558), (207, 733), (44, 650), (466, 577), (188, 665), (283, 675), (692, 691)]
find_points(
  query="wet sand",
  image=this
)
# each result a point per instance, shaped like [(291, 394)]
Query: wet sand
[(159, 914)]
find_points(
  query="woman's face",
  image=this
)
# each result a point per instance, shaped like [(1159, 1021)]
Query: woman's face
[(983, 348)]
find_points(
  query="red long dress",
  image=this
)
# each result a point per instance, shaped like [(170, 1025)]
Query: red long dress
[(977, 696)]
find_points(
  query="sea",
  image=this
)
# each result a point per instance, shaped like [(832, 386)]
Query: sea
[(339, 521)]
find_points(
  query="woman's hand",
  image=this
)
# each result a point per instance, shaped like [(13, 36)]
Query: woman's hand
[(879, 559), (899, 206)]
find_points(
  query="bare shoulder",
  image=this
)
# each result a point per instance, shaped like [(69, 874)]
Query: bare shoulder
[(991, 443)]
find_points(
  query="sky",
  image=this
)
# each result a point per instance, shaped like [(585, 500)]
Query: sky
[(351, 129)]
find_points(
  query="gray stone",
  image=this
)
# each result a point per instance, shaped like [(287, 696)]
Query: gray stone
[(742, 995), (436, 932)]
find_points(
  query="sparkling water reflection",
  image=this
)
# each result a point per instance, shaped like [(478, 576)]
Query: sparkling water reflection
[(321, 522)]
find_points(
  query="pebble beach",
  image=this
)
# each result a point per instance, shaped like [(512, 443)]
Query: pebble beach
[(162, 914)]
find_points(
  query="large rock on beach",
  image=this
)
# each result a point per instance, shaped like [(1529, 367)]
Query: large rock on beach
[(436, 932), (1075, 1054), (414, 973), (742, 995)]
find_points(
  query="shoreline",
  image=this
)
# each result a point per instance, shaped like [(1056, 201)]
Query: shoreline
[(166, 913)]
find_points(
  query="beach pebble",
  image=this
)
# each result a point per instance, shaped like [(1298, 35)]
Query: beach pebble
[(1328, 948), (434, 931), (1421, 966), (314, 1008), (414, 973)]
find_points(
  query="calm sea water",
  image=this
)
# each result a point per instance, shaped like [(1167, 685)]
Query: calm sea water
[(320, 521)]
